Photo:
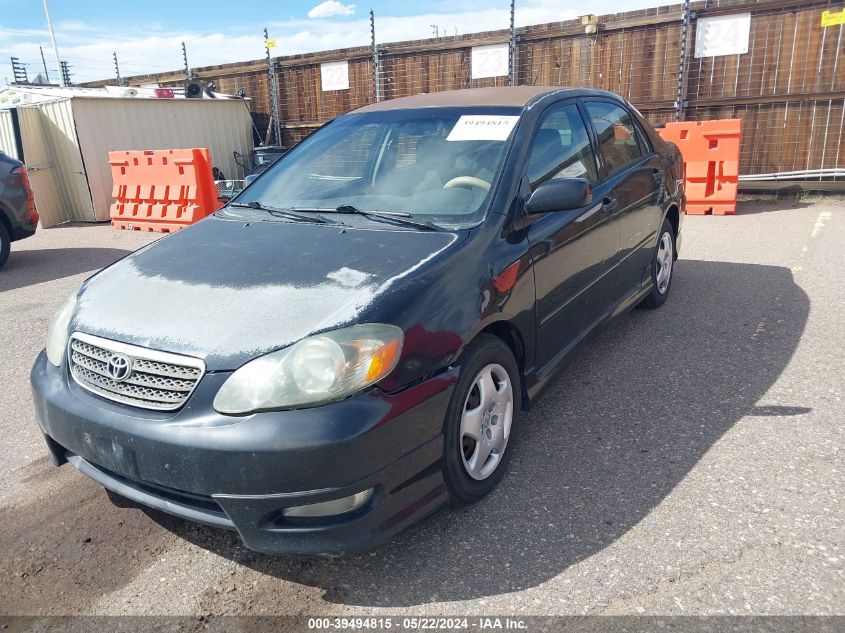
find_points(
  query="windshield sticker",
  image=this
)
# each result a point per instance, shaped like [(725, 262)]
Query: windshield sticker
[(482, 127)]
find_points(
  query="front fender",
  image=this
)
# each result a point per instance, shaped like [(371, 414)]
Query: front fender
[(486, 282)]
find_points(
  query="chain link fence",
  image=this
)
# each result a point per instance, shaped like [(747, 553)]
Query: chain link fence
[(788, 88)]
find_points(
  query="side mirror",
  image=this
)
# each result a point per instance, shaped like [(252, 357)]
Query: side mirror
[(560, 194)]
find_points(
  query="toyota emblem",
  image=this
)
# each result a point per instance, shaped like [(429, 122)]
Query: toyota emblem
[(119, 367)]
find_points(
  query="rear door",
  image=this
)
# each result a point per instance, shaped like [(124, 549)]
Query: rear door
[(571, 249), (633, 173)]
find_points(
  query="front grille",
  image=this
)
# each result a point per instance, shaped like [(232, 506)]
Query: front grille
[(152, 380)]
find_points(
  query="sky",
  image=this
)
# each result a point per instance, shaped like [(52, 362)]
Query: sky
[(147, 35)]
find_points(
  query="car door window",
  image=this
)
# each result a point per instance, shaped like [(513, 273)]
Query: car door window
[(616, 134), (561, 148), (645, 142)]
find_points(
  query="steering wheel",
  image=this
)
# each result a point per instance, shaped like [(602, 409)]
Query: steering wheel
[(470, 181)]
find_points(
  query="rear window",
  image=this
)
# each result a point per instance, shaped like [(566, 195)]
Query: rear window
[(618, 138)]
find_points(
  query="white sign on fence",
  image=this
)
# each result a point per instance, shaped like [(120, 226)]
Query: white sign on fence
[(490, 60), (722, 35), (334, 76)]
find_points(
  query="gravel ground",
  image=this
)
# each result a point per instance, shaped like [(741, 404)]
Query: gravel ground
[(688, 462)]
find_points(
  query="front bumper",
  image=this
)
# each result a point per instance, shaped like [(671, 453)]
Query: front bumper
[(240, 472)]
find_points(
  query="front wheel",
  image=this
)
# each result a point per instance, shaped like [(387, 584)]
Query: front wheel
[(662, 265), (480, 423)]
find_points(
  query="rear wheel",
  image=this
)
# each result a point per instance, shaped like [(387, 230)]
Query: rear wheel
[(480, 422), (5, 243), (662, 266)]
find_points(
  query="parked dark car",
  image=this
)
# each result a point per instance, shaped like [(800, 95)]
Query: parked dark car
[(18, 217), (346, 347), (262, 157)]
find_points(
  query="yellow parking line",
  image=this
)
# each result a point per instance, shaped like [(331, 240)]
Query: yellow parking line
[(824, 216)]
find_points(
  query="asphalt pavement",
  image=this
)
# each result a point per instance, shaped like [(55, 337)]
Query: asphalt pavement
[(689, 461)]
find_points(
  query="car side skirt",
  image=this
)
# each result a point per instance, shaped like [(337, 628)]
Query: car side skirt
[(538, 380)]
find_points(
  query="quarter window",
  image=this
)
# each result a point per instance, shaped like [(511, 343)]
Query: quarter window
[(616, 134), (561, 148)]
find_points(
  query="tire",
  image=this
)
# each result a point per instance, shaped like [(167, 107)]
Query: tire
[(5, 244), (468, 474), (664, 256)]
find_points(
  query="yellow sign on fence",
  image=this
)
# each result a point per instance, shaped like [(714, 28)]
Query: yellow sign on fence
[(833, 18)]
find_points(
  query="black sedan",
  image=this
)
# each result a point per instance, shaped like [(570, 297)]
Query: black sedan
[(18, 217), (347, 346)]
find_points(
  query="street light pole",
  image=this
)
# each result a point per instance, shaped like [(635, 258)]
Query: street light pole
[(53, 38)]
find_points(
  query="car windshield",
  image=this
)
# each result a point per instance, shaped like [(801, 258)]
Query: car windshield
[(435, 164)]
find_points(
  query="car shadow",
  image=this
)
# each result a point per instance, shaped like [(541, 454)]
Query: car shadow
[(30, 267), (630, 417)]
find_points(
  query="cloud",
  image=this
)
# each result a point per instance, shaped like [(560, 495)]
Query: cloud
[(74, 25), (331, 8)]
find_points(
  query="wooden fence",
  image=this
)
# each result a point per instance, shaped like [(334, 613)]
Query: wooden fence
[(789, 88)]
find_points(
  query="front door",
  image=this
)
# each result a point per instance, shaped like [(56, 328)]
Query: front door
[(571, 249)]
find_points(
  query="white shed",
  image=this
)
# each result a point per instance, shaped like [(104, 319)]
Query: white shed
[(66, 138), (8, 135)]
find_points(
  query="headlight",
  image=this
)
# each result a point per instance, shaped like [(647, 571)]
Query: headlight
[(318, 369), (57, 334)]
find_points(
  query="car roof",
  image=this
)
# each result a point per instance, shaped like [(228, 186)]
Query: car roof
[(515, 96)]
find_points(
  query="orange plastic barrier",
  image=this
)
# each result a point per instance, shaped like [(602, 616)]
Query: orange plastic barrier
[(711, 163), (161, 190)]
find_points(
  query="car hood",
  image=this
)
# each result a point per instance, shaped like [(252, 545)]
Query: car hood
[(228, 291)]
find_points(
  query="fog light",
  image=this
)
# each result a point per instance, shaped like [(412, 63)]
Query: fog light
[(330, 508)]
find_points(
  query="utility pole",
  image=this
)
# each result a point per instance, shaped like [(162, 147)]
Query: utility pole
[(44, 61), (117, 69), (64, 67), (274, 91), (512, 55), (188, 72), (375, 56), (53, 38)]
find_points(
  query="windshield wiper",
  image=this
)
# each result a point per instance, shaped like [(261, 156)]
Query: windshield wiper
[(281, 213), (393, 216)]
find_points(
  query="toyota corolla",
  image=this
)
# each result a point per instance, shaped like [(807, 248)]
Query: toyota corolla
[(346, 347)]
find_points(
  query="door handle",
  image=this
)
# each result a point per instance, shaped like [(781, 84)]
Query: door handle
[(610, 204), (657, 176)]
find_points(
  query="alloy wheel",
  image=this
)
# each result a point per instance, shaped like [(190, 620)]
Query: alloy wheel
[(665, 257), (486, 421)]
